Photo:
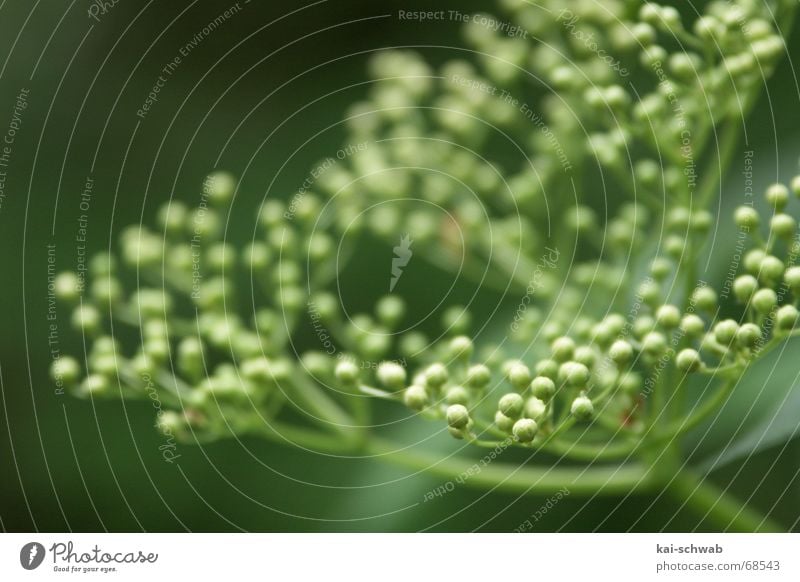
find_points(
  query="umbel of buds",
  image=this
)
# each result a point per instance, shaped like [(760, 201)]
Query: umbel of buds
[(614, 333)]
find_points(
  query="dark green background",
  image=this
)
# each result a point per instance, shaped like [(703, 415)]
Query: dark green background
[(69, 464)]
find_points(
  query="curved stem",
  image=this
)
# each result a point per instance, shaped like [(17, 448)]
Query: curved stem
[(728, 513), (603, 480), (701, 414)]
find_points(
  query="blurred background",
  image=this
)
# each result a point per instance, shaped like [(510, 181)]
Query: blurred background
[(264, 93)]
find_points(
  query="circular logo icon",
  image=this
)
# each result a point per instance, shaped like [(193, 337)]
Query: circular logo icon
[(31, 555)]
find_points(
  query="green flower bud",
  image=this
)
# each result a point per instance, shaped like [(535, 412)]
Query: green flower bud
[(219, 188), (86, 319), (67, 287), (105, 345), (478, 376), (415, 397), (650, 13), (701, 222), (675, 246), (457, 416), (142, 365), (457, 395), (457, 433), (152, 303), (744, 287), (643, 325), (708, 28), (413, 344), (347, 372), (654, 343), (525, 430), (248, 345), (668, 316), (519, 376), (660, 268), (574, 374), (643, 34), (256, 256), (104, 364), (552, 330), (796, 186), (585, 355), (764, 300), (142, 250), (66, 370), (582, 408), (777, 196), (256, 370), (543, 388), (783, 226), (325, 305), (456, 320), (792, 278), (689, 360), (392, 375), (748, 335), (155, 329), (271, 215), (172, 423), (534, 408), (220, 257), (547, 368), (705, 298), (171, 217), (375, 345), (685, 66), (503, 422), (102, 265), (390, 311), (562, 349), (747, 217), (511, 405), (678, 219), (771, 269), (210, 295), (621, 352), (603, 335), (461, 347), (95, 385), (786, 317), (157, 349), (436, 375), (616, 97), (106, 291), (692, 325), (318, 364), (650, 292), (752, 261), (725, 331)]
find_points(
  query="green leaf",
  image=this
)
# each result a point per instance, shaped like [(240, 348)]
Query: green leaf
[(762, 412)]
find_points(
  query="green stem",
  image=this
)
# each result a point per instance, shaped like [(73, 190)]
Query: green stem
[(309, 439), (728, 513), (700, 414), (320, 404), (602, 480)]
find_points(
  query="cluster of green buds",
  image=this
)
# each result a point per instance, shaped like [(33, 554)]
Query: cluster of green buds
[(200, 350), (626, 88), (477, 161), (621, 373)]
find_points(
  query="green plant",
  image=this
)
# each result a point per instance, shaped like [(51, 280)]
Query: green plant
[(617, 92)]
